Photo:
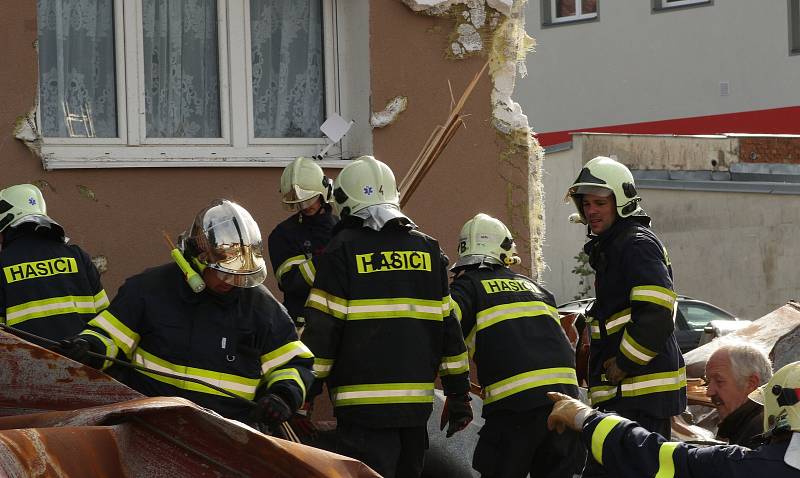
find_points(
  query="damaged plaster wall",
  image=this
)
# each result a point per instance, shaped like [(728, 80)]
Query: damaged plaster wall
[(496, 29)]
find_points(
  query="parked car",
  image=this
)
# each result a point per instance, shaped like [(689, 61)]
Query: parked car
[(693, 320)]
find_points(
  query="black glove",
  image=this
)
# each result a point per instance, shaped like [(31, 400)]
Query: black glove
[(457, 413), (77, 348), (271, 409)]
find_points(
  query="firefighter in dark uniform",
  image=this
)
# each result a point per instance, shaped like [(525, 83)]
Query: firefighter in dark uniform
[(48, 286), (635, 366), (295, 242), (232, 333), (515, 338), (379, 322), (627, 450)]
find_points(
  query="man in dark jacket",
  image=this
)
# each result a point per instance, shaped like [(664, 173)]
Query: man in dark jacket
[(635, 366), (515, 338), (626, 450), (734, 371), (379, 322), (48, 286), (295, 242), (230, 332)]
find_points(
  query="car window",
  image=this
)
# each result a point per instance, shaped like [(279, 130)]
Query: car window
[(698, 316)]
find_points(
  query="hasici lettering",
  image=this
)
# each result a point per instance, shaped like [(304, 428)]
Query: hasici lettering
[(33, 270), (388, 261), (493, 286)]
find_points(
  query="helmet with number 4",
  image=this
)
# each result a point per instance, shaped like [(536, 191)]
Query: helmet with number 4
[(364, 182)]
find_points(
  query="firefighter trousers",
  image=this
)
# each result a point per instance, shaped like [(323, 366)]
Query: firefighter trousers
[(392, 452)]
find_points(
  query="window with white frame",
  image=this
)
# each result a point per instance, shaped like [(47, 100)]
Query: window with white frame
[(794, 26), (561, 11), (173, 82), (666, 4)]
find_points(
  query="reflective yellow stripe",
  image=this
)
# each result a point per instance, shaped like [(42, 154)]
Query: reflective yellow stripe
[(654, 294), (654, 383), (287, 374), (456, 309), (402, 307), (382, 393), (514, 310), (308, 271), (602, 393), (282, 355), (327, 303), (600, 433), (617, 321), (454, 365), (634, 351), (111, 348), (124, 337), (469, 340), (243, 386), (100, 301), (666, 465), (528, 380), (322, 367), (288, 264), (68, 304)]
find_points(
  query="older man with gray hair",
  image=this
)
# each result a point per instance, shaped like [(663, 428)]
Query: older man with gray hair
[(734, 370)]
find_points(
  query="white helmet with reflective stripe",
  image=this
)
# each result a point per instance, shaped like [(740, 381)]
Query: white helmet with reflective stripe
[(226, 238), (603, 176), (485, 239), (362, 183), (24, 203), (301, 182), (781, 400)]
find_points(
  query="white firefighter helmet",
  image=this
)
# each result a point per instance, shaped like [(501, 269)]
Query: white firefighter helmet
[(24, 203), (226, 238), (603, 176), (301, 182), (362, 183), (781, 400), (485, 239)]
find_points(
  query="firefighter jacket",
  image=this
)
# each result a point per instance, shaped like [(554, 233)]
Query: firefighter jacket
[(627, 450), (242, 341), (514, 335), (633, 320), (293, 244), (379, 322), (49, 288)]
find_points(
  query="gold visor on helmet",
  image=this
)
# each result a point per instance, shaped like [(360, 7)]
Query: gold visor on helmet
[(297, 198)]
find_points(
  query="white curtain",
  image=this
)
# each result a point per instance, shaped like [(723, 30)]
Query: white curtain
[(77, 82), (181, 68), (288, 76)]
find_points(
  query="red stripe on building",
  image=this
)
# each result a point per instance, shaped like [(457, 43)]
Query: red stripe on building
[(771, 121)]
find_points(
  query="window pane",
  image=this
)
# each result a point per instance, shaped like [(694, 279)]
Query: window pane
[(181, 68), (698, 317), (288, 76), (77, 82), (588, 6), (565, 8)]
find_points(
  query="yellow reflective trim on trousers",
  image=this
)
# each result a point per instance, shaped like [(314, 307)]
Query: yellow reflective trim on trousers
[(454, 365), (666, 464), (308, 271), (282, 355), (288, 264), (602, 393), (634, 351), (100, 301), (514, 310), (528, 380), (327, 303), (287, 374), (111, 347), (600, 433), (654, 383), (617, 321), (322, 367), (125, 338), (402, 307), (68, 304), (242, 386), (382, 393), (655, 294)]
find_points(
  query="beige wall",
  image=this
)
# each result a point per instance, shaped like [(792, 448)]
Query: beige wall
[(132, 206)]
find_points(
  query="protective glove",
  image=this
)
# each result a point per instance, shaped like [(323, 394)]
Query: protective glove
[(567, 413), (301, 421), (271, 409), (457, 413), (76, 348), (614, 374)]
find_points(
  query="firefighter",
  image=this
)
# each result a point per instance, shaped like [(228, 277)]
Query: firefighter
[(295, 242), (379, 322), (635, 366), (49, 287), (515, 338), (233, 333), (627, 450)]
